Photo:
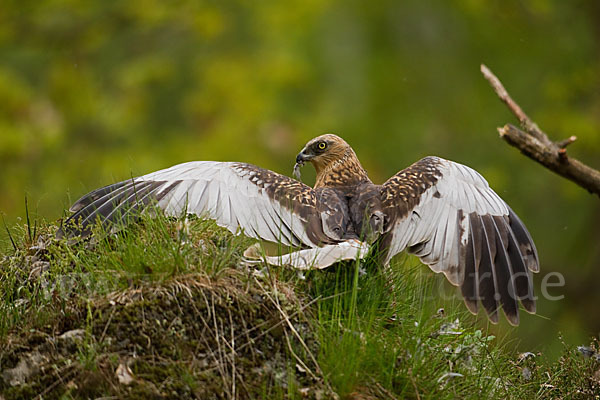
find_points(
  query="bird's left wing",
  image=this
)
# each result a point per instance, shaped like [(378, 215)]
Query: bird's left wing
[(240, 197), (447, 215)]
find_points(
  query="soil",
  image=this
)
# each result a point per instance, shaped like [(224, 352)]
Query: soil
[(191, 337)]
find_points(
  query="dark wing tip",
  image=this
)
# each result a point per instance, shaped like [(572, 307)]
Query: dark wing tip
[(512, 317), (493, 316), (60, 233), (472, 306), (487, 283), (94, 195), (110, 205), (500, 277), (525, 242), (529, 305), (505, 271)]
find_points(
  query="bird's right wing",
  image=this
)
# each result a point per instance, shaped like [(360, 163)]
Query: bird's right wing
[(240, 197)]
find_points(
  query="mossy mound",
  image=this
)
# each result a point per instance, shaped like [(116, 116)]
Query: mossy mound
[(191, 337), (167, 308)]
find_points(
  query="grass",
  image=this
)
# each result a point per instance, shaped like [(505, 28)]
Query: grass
[(166, 309)]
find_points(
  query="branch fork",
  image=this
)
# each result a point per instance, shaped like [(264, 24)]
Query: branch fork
[(535, 144)]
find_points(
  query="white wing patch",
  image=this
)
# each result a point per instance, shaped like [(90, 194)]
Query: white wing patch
[(226, 194), (235, 195)]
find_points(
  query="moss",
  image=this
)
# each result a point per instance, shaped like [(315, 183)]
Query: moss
[(187, 338)]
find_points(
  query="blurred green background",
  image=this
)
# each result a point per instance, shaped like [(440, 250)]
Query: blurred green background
[(97, 91)]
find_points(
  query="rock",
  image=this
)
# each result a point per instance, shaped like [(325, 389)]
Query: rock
[(27, 366), (72, 334)]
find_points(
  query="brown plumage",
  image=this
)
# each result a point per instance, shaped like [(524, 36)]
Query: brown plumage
[(443, 212), (336, 164)]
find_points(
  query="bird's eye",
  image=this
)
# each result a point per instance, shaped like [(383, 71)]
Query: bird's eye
[(322, 145)]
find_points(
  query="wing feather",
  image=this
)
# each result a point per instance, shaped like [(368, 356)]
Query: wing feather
[(136, 194), (487, 277), (152, 195), (464, 230), (238, 196), (97, 194), (522, 278), (526, 244), (86, 206), (439, 241), (469, 287), (279, 232), (504, 273), (448, 259), (106, 208)]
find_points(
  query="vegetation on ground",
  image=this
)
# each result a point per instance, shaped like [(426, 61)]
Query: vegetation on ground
[(169, 309)]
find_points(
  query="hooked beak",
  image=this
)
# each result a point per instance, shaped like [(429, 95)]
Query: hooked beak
[(301, 158)]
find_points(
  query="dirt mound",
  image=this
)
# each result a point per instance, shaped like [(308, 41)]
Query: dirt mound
[(192, 337)]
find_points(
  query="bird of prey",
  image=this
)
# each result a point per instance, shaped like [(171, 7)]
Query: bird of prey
[(441, 211)]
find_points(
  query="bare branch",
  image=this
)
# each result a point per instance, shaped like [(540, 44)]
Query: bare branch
[(535, 144), (526, 122)]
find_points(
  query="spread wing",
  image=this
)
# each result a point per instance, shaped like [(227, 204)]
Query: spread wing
[(448, 216), (240, 197)]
